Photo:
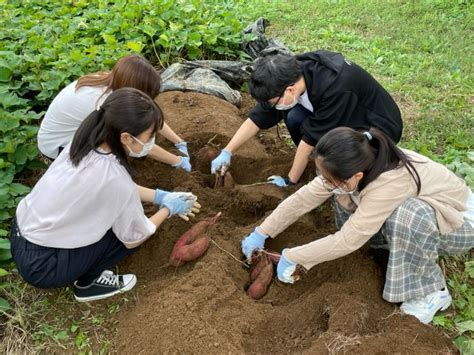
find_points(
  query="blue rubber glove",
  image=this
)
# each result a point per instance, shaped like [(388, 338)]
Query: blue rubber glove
[(254, 240), (280, 181), (285, 269), (184, 164), (221, 161), (182, 147), (159, 196), (179, 202)]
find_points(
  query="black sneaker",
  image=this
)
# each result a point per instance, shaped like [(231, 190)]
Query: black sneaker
[(106, 285)]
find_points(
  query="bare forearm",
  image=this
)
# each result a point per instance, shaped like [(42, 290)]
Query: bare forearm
[(146, 194), (169, 134), (247, 130), (164, 156), (300, 162)]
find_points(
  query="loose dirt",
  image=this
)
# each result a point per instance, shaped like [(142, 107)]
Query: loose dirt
[(202, 307)]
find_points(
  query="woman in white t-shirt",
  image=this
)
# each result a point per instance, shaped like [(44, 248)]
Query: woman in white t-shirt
[(77, 100), (85, 214)]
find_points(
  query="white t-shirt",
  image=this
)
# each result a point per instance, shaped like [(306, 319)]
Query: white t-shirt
[(303, 100), (72, 207), (65, 114)]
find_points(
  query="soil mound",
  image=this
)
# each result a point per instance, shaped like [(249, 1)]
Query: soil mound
[(202, 306)]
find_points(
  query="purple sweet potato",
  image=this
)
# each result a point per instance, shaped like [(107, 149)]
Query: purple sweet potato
[(259, 287), (226, 181), (194, 243)]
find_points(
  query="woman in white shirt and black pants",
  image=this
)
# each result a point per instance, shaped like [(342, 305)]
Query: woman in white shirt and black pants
[(85, 214)]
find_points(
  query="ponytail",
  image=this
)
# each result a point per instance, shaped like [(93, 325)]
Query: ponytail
[(344, 152), (89, 133), (387, 157)]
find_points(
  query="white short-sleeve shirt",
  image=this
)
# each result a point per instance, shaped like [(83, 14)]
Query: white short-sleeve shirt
[(65, 114), (72, 207)]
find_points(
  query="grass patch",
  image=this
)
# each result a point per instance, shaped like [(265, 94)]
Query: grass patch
[(418, 50), (51, 321)]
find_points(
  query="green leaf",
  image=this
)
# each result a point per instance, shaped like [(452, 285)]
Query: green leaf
[(7, 124), (109, 39), (4, 215), (469, 266), (61, 335), (5, 255), (3, 272), (4, 244), (4, 305), (465, 326), (465, 345), (135, 46), (5, 74), (19, 189)]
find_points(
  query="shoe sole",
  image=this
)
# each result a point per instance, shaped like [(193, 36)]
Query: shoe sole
[(429, 317), (126, 288)]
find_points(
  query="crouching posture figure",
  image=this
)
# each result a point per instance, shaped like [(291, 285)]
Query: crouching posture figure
[(85, 215), (418, 208)]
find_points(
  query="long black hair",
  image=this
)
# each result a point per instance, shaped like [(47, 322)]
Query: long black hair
[(125, 110), (343, 152)]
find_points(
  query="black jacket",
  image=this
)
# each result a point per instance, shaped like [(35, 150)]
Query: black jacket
[(342, 94)]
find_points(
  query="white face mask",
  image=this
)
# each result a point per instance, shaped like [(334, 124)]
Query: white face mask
[(341, 191), (147, 147), (283, 107)]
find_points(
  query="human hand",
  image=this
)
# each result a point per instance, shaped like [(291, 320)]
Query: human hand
[(286, 269), (280, 181), (182, 147), (181, 203), (254, 240), (159, 196), (221, 162), (184, 164)]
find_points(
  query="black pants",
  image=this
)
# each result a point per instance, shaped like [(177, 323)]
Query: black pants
[(293, 121), (47, 267)]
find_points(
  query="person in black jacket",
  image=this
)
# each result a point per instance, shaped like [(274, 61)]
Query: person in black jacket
[(313, 93)]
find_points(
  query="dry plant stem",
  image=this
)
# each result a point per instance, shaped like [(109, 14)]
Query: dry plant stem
[(255, 184), (266, 252), (210, 140), (229, 253)]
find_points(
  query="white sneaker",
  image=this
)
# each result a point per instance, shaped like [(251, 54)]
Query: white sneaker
[(426, 307)]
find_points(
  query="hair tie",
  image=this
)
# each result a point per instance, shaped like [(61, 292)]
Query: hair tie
[(368, 135)]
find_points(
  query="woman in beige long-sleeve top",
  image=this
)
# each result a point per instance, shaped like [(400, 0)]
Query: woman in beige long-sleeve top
[(419, 207)]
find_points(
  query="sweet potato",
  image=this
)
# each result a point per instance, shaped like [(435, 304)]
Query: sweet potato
[(259, 287), (194, 243), (226, 181), (261, 273), (207, 153), (259, 261)]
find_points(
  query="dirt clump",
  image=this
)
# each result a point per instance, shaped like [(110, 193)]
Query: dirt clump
[(202, 306)]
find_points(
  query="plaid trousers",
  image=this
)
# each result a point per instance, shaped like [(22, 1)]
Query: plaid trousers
[(414, 242)]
